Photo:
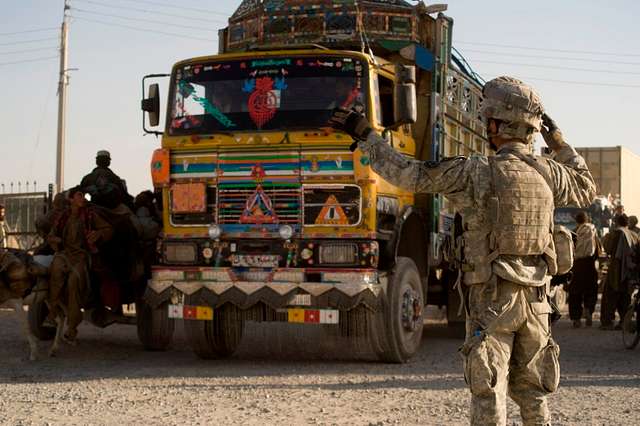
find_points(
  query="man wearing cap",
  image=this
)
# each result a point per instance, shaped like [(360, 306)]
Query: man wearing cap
[(105, 187), (506, 202)]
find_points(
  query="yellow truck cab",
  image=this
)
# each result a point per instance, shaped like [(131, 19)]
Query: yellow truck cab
[(268, 215)]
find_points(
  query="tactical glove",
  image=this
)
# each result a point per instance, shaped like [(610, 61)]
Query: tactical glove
[(352, 123), (551, 134)]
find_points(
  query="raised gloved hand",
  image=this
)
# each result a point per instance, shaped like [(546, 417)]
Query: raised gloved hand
[(352, 123), (551, 134)]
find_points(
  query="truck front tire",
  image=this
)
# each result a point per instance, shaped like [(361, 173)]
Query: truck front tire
[(396, 332), (218, 338), (155, 328)]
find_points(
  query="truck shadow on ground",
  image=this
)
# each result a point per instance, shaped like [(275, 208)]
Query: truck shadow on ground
[(115, 353)]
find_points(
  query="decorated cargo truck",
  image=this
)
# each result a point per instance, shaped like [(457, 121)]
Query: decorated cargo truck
[(268, 216)]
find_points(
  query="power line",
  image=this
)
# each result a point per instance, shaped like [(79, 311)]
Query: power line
[(29, 60), (559, 68), (143, 20), (113, 24), (16, 52), (29, 41), (511, 46), (135, 9), (30, 31), (585, 83), (581, 83), (601, 61), (173, 6)]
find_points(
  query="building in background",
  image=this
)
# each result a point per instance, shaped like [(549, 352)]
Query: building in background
[(616, 171)]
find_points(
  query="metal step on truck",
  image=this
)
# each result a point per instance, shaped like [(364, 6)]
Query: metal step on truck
[(268, 216)]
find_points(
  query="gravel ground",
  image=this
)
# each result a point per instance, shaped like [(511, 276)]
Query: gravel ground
[(108, 379)]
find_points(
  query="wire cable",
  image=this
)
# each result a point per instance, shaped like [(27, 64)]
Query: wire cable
[(135, 9), (511, 46), (45, 109), (113, 24), (585, 83), (29, 41), (520, 55), (143, 20), (558, 67), (30, 31), (17, 52), (173, 6), (29, 60)]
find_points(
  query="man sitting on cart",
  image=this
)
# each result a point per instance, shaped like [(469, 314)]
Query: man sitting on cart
[(75, 238)]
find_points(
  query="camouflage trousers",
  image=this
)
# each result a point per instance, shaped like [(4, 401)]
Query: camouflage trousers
[(509, 350)]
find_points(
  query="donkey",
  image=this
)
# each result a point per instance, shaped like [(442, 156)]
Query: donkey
[(18, 278)]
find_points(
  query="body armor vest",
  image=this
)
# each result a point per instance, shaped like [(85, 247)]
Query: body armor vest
[(518, 216), (521, 209)]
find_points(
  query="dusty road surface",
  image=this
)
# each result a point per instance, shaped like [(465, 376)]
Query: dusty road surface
[(108, 379)]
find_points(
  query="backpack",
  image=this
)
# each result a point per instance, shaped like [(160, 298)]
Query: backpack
[(563, 241)]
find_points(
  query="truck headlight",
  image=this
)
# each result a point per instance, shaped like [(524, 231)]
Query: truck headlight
[(338, 253), (181, 253), (286, 232), (214, 231)]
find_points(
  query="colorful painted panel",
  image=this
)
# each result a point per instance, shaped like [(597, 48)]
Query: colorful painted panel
[(259, 191), (194, 165), (189, 198), (332, 205), (336, 163)]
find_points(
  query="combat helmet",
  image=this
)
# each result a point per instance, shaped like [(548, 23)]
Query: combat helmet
[(514, 103)]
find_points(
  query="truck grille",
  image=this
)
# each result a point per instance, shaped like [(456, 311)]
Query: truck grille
[(258, 204)]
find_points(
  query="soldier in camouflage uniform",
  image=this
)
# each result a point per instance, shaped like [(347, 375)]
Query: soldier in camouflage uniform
[(507, 204)]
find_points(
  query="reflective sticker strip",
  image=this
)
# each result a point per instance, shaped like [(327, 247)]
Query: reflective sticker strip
[(329, 316), (313, 316), (175, 311), (203, 313), (296, 315)]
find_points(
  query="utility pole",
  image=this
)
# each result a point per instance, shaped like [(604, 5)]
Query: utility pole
[(62, 99)]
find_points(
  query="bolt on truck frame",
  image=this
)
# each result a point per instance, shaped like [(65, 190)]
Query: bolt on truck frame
[(267, 214)]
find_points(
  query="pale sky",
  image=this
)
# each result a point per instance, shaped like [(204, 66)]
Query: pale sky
[(596, 40)]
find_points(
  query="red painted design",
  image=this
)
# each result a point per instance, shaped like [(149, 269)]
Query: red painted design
[(262, 103), (353, 95)]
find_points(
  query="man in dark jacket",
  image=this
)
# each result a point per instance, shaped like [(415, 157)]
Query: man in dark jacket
[(621, 246), (105, 187)]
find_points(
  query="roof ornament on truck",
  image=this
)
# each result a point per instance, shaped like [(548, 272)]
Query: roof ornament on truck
[(337, 23)]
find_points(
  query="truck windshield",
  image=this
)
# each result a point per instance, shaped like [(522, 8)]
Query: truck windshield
[(276, 93)]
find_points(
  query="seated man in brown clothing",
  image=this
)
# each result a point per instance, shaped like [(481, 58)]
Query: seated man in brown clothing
[(74, 238)]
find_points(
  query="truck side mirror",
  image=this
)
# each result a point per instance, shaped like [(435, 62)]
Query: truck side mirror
[(151, 105), (405, 104)]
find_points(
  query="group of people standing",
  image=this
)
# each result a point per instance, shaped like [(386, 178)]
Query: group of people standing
[(621, 246), (97, 242)]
